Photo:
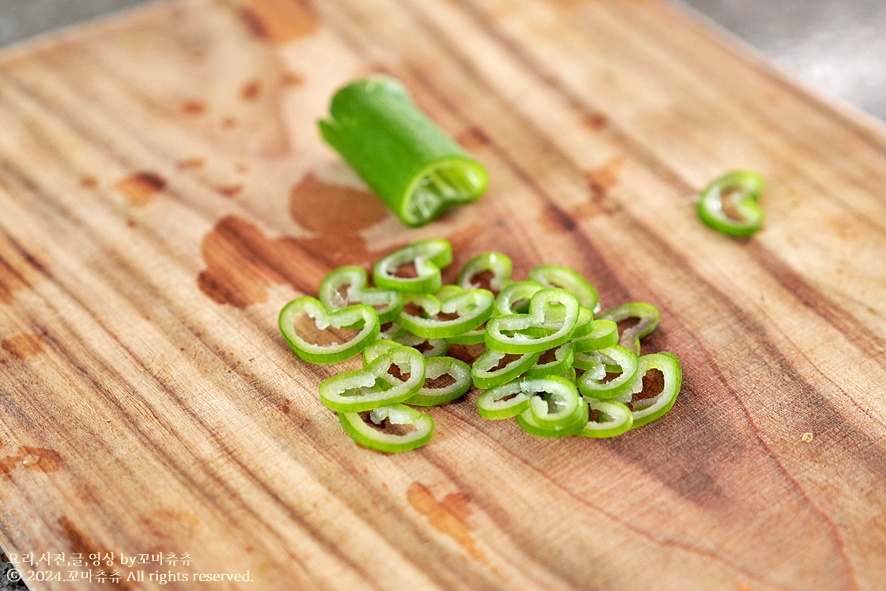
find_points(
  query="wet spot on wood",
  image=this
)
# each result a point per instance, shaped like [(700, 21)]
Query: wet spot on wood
[(18, 269), (230, 190), (38, 459), (250, 90), (23, 346), (89, 182), (191, 163), (162, 522), (291, 79), (594, 121), (241, 168), (448, 516), (241, 263), (553, 219), (193, 107), (600, 180), (472, 138), (279, 21), (229, 122), (140, 187), (336, 215)]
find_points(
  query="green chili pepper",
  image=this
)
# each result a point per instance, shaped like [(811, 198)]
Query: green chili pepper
[(426, 257), (484, 376), (729, 203), (615, 418), (516, 333), (647, 409), (604, 334), (437, 367), (529, 424), (374, 385), (515, 293), (348, 285), (562, 362), (470, 308), (499, 266), (358, 315), (556, 403), (571, 281), (389, 429), (401, 154), (647, 320), (593, 383)]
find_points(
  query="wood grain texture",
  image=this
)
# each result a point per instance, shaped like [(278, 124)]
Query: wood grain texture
[(164, 192)]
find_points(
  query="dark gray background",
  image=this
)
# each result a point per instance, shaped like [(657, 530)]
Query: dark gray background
[(837, 47)]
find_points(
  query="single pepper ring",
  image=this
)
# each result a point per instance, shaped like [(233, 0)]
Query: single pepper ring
[(458, 312), (387, 432), (349, 285), (729, 204), (647, 317), (553, 314), (614, 418), (427, 257), (374, 386), (499, 266), (359, 315)]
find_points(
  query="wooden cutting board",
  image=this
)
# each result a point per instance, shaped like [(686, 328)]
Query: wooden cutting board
[(163, 192)]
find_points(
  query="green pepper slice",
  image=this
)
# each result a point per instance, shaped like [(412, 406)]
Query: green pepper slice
[(613, 419), (485, 376), (729, 203), (468, 309), (357, 315), (390, 429), (413, 166), (604, 334), (593, 383), (556, 402), (562, 362), (517, 333), (645, 408), (529, 424), (426, 257), (647, 320), (499, 266), (509, 299), (570, 280), (431, 395), (348, 285), (374, 385)]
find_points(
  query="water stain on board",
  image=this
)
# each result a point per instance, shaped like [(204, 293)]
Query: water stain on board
[(23, 346), (594, 121), (291, 79), (279, 21), (194, 163), (602, 179), (230, 190), (193, 107), (140, 188), (38, 459), (336, 215), (88, 182), (472, 138), (18, 269), (251, 90), (82, 544), (448, 516), (169, 523)]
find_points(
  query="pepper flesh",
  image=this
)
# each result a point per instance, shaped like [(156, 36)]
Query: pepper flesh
[(743, 216), (381, 439), (346, 317), (515, 333), (410, 164), (352, 280), (427, 257)]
